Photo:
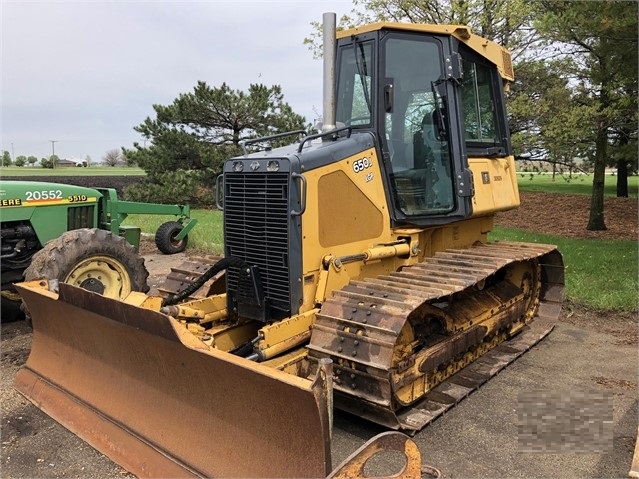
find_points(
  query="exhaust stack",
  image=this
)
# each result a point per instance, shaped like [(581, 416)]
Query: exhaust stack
[(329, 45)]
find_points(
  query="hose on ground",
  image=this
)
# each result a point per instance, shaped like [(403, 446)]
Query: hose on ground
[(221, 265)]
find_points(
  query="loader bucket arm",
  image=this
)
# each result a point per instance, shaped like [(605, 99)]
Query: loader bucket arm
[(149, 395)]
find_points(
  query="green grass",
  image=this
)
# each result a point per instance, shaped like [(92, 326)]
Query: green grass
[(12, 171), (599, 274), (577, 185), (206, 236)]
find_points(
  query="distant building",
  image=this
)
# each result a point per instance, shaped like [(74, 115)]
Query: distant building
[(70, 162), (62, 163)]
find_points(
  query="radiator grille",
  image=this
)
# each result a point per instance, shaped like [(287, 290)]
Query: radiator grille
[(80, 217), (256, 216)]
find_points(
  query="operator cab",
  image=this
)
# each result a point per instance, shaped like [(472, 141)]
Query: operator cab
[(432, 102)]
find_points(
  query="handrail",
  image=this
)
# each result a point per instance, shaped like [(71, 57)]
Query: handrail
[(320, 135), (244, 143)]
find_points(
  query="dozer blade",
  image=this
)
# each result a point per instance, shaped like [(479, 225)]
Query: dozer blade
[(138, 387)]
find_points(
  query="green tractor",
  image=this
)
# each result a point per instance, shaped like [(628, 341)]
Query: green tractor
[(75, 235)]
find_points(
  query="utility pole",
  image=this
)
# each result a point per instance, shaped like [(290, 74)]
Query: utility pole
[(53, 142), (13, 155)]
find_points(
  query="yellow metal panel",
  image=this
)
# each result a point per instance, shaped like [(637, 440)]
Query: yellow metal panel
[(227, 338), (275, 333), (495, 184), (345, 213), (320, 294), (346, 210), (310, 282), (460, 31)]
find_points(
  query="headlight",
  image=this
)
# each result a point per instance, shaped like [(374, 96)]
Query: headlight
[(273, 165)]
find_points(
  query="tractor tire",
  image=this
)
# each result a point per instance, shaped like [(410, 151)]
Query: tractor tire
[(165, 238), (93, 259)]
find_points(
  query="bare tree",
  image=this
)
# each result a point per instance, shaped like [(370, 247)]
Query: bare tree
[(112, 157)]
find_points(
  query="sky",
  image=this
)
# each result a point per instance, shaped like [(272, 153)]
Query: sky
[(76, 77)]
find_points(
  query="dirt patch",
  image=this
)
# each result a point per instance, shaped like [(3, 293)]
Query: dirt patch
[(620, 325), (567, 216), (615, 384)]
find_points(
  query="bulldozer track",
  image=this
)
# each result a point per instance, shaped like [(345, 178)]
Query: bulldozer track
[(187, 273), (362, 325), (460, 385)]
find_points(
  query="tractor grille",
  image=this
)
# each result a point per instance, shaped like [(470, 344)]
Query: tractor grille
[(256, 217), (80, 217)]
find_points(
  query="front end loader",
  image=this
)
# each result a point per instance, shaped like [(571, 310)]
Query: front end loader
[(356, 259)]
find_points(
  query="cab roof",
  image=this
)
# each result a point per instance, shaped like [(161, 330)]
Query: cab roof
[(488, 49)]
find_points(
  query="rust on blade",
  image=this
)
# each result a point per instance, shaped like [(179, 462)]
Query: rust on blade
[(140, 389)]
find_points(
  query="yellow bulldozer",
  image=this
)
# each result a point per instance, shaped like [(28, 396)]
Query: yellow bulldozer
[(356, 273)]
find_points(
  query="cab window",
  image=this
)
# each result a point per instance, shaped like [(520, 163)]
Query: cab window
[(477, 98), (354, 85)]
